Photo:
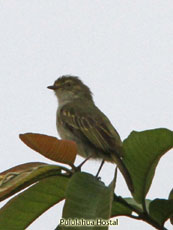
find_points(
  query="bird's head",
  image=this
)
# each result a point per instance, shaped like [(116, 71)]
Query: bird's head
[(68, 88)]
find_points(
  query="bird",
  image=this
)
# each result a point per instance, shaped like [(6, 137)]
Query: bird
[(80, 120)]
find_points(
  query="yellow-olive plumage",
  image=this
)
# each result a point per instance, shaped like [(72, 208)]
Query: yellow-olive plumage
[(79, 119)]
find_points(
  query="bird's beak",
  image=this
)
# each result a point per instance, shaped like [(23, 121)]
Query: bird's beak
[(53, 87)]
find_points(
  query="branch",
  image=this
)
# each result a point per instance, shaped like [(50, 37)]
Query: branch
[(141, 215)]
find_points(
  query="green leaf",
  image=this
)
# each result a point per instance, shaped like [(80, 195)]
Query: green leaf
[(142, 152), (171, 198), (125, 206), (161, 210), (136, 205), (21, 176), (88, 198), (119, 208), (23, 209)]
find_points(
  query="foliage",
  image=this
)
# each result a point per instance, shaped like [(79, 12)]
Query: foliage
[(87, 199)]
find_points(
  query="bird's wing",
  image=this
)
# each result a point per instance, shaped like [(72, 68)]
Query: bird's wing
[(95, 127)]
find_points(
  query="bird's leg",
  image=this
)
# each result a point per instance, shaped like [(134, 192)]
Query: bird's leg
[(101, 165), (78, 168), (83, 162)]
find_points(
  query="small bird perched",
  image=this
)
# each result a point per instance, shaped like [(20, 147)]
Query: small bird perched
[(79, 120)]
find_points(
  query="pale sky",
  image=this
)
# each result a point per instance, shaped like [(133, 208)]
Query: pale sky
[(123, 50)]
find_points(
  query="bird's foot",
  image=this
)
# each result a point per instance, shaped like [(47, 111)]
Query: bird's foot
[(75, 168), (98, 178), (78, 168)]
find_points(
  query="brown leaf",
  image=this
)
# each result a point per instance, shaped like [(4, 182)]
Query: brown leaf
[(63, 151)]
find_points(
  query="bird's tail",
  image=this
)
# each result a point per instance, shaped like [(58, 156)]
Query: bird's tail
[(124, 171)]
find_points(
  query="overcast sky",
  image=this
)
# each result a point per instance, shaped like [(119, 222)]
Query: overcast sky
[(122, 49)]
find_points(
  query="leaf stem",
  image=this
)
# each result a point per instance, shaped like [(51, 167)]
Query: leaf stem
[(144, 206)]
